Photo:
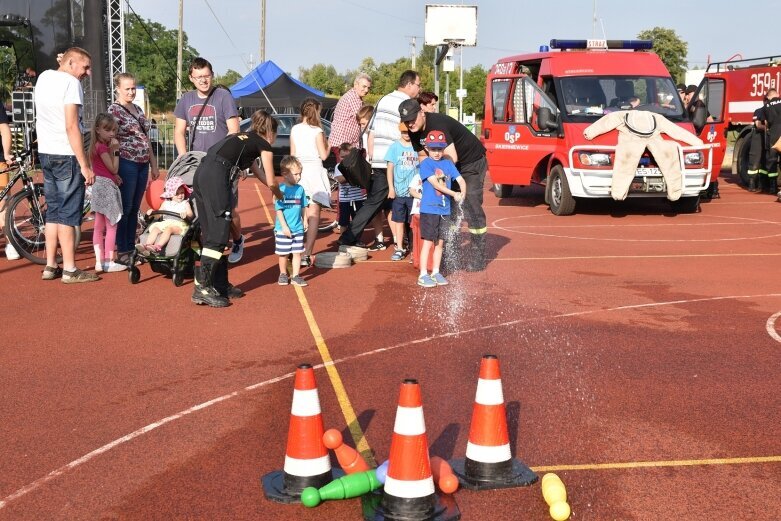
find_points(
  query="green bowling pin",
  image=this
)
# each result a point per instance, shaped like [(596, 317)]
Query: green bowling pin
[(353, 485)]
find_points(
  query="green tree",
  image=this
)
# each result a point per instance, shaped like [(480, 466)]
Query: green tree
[(228, 79), (670, 48), (474, 83), (151, 57), (324, 78)]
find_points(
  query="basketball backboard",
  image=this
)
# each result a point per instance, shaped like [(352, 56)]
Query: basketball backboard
[(449, 24)]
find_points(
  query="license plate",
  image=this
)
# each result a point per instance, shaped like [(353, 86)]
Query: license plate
[(650, 171), (647, 184)]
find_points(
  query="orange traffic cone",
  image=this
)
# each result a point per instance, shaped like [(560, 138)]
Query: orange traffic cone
[(408, 492), (307, 463), (489, 463)]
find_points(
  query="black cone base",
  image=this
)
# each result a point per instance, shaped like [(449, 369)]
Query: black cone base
[(445, 509), (515, 475), (287, 489)]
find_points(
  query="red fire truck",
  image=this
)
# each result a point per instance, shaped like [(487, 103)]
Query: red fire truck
[(732, 91), (537, 106)]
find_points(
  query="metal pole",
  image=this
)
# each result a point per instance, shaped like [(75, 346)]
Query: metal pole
[(414, 53), (262, 31), (179, 53), (461, 87)]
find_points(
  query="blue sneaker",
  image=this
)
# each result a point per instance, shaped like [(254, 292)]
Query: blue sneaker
[(439, 279), (426, 281)]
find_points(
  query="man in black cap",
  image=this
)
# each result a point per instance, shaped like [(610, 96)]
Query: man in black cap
[(468, 153)]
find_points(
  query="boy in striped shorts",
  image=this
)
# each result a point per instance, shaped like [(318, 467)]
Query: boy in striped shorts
[(351, 197), (290, 224)]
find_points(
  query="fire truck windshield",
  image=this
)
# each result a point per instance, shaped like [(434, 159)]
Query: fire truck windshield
[(585, 98)]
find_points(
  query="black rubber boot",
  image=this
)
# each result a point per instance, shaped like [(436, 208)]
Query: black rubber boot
[(762, 183), (752, 183), (221, 284), (204, 291), (772, 185), (476, 260)]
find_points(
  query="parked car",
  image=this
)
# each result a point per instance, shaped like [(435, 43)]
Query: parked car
[(282, 144)]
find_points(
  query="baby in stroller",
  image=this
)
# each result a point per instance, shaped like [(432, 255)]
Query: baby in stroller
[(169, 241), (176, 202)]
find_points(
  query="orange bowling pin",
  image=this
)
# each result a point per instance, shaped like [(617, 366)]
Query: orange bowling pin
[(443, 475), (349, 458)]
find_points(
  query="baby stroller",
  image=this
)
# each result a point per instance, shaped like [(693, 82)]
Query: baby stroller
[(177, 259)]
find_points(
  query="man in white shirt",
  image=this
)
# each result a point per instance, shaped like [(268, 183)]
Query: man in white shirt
[(58, 103)]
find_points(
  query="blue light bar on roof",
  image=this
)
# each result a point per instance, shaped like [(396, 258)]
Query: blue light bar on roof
[(636, 45)]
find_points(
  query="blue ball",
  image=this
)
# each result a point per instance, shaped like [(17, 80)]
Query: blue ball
[(382, 472)]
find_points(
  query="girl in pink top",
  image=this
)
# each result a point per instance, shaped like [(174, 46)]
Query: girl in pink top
[(106, 199)]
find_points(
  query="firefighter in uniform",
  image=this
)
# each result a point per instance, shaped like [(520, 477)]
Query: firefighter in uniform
[(773, 122), (756, 152), (469, 155), (213, 201)]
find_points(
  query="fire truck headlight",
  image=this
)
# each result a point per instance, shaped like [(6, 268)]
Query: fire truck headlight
[(594, 159), (692, 158)]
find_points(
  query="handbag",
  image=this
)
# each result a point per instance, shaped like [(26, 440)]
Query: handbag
[(777, 145), (355, 169)]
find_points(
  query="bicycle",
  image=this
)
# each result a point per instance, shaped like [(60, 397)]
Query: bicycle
[(25, 213)]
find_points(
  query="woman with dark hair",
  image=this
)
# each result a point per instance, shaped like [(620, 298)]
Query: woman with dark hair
[(212, 193), (428, 101), (136, 160), (307, 143)]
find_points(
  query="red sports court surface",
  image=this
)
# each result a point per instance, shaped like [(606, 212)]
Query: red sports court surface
[(639, 353)]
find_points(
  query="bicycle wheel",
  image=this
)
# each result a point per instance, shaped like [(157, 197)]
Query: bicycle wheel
[(25, 225)]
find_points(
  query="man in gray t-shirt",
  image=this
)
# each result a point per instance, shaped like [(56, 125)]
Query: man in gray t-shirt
[(218, 118)]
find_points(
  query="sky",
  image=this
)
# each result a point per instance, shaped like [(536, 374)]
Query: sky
[(301, 33)]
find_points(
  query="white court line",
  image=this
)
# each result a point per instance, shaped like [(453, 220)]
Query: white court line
[(770, 326), (495, 225), (152, 426)]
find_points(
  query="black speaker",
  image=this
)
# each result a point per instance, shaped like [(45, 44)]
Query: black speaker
[(22, 106)]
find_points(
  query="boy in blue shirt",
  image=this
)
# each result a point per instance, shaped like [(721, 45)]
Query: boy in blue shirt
[(438, 174), (290, 224), (402, 163)]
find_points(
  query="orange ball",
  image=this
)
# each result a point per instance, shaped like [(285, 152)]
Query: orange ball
[(448, 483), (332, 438)]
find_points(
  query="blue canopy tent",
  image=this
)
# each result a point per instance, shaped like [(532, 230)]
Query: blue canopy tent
[(269, 87)]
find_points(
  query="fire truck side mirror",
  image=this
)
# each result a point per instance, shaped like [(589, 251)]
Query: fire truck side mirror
[(546, 120), (699, 118)]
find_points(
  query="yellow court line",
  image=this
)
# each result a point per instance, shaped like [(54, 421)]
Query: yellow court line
[(671, 463), (361, 444), (263, 204)]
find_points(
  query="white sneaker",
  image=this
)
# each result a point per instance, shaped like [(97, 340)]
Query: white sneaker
[(110, 267), (98, 267), (11, 253), (237, 251)]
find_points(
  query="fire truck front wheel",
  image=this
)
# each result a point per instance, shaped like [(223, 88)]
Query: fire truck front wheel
[(559, 196), (502, 191)]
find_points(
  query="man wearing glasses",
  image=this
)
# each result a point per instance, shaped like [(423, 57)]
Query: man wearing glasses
[(383, 131), (344, 126), (204, 116), (208, 121)]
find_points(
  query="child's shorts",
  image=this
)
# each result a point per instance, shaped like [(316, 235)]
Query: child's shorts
[(402, 209), (285, 245), (434, 227), (163, 225)]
